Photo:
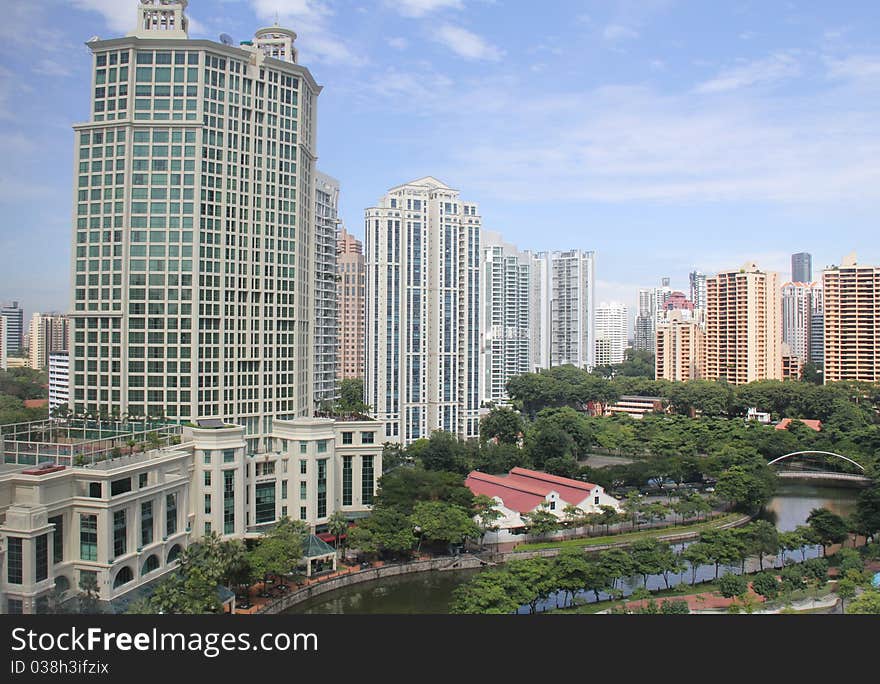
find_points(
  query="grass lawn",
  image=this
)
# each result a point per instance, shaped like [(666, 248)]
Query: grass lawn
[(628, 537)]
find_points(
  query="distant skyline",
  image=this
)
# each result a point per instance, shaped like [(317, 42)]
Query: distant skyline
[(665, 135)]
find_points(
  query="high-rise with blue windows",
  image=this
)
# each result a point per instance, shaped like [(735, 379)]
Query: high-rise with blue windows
[(422, 253)]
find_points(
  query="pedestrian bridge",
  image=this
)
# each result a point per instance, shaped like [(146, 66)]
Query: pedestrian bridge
[(820, 475)]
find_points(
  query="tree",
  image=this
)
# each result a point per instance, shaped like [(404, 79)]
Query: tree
[(634, 506), (337, 525), (789, 541), (351, 397), (828, 527), (746, 487), (763, 539), (541, 521), (534, 579), (504, 425), (493, 592), (385, 531), (609, 516), (867, 514), (570, 570), (439, 522), (401, 489), (696, 555), (487, 515), (574, 517), (766, 585), (279, 551), (88, 597), (731, 585), (675, 608), (443, 453), (866, 604), (846, 589)]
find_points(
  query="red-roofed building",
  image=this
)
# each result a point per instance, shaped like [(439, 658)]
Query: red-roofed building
[(524, 491), (813, 424)]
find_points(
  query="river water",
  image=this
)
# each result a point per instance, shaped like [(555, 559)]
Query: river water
[(431, 593)]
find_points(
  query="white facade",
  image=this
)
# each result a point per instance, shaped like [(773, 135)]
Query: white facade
[(127, 518), (698, 290), (797, 316), (49, 332), (326, 306), (193, 279), (3, 324), (422, 253), (505, 290), (14, 316), (59, 379), (563, 300), (612, 324)]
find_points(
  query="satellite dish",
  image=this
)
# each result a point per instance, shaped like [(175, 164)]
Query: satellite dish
[(94, 39), (226, 39)]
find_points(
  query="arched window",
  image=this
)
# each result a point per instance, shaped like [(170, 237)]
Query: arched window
[(152, 563), (174, 553), (62, 584), (124, 576)]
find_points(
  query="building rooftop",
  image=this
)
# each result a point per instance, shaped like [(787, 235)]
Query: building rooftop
[(524, 490)]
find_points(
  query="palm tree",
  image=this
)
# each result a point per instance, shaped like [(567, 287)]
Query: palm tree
[(337, 524)]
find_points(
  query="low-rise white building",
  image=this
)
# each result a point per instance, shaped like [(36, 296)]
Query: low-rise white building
[(88, 507), (523, 491)]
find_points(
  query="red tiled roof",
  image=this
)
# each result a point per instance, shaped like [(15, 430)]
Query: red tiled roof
[(515, 495), (523, 490), (814, 424)]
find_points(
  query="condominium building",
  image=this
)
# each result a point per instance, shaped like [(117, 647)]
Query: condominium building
[(743, 326), (326, 325), (563, 309), (194, 228), (681, 349), (14, 315), (95, 507), (423, 311), (852, 322), (797, 317), (652, 311), (49, 332), (351, 275), (802, 268), (59, 379), (612, 325), (698, 289), (3, 324), (505, 310)]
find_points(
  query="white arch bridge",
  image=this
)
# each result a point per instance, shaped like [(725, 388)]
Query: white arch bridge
[(820, 475)]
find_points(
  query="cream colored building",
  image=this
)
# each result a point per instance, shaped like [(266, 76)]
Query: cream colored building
[(125, 519), (743, 326), (351, 304), (612, 329), (852, 322), (48, 333), (3, 366), (680, 349)]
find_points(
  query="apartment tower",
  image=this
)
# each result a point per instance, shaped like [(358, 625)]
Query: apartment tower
[(194, 228), (743, 326), (612, 325), (14, 327), (681, 349), (326, 325), (423, 311), (351, 302), (852, 322), (48, 333)]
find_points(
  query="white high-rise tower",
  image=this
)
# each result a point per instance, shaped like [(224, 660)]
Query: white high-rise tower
[(422, 252), (194, 228)]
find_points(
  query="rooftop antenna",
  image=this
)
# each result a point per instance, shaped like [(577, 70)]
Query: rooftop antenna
[(276, 17)]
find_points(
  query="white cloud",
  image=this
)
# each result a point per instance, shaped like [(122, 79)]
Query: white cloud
[(615, 32), (420, 8), (856, 67), (466, 44), (49, 67), (120, 17), (398, 43), (776, 67)]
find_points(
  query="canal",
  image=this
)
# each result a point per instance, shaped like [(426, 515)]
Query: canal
[(431, 593)]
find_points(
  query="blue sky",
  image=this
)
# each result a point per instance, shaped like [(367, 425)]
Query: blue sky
[(664, 134)]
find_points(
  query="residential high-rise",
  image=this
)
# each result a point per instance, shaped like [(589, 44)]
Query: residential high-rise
[(351, 303), (14, 328), (3, 324), (681, 349), (797, 318), (817, 325), (852, 322), (48, 333), (540, 315), (698, 289), (743, 326), (612, 324), (573, 282), (645, 321), (194, 228), (505, 290), (59, 379), (326, 325), (423, 311), (802, 268)]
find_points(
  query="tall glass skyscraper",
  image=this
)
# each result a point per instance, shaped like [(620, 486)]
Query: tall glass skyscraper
[(194, 227)]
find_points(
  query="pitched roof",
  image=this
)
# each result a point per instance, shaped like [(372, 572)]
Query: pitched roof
[(814, 424), (315, 547), (524, 490)]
